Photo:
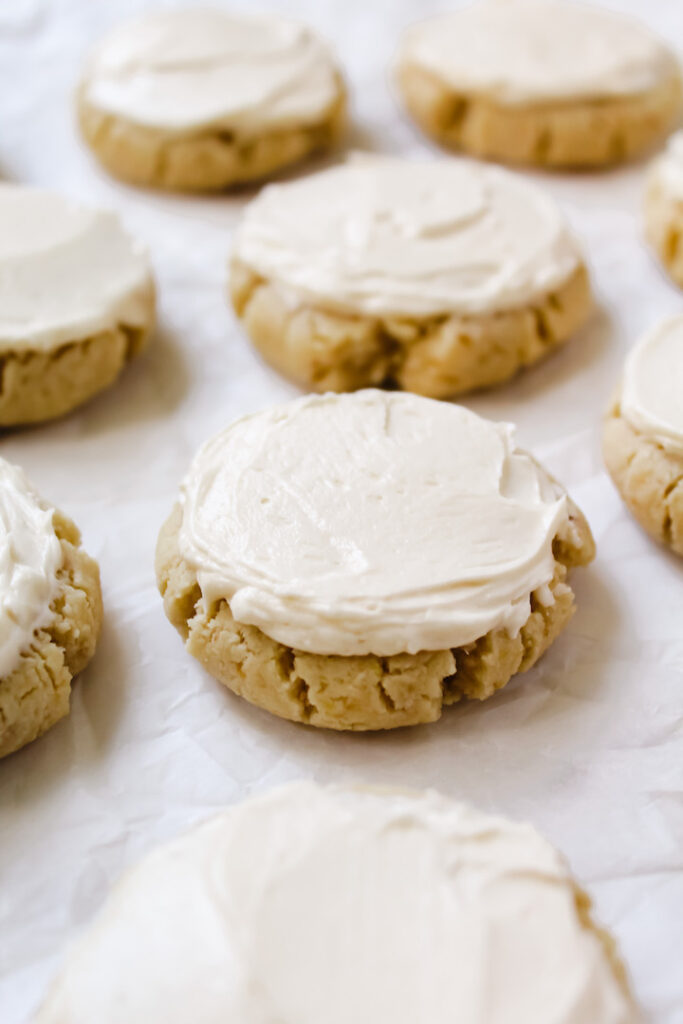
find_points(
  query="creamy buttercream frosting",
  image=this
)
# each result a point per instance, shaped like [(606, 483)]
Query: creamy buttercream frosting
[(330, 906), (67, 272), (652, 390), (668, 168), (186, 70), (388, 236), (30, 556), (371, 522), (534, 51)]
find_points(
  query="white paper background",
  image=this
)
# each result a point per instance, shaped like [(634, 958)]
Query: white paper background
[(588, 746)]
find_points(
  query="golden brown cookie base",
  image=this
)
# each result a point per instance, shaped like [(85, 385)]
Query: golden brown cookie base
[(206, 161), (365, 692), (434, 356), (571, 134), (664, 227), (649, 479), (36, 695), (37, 385)]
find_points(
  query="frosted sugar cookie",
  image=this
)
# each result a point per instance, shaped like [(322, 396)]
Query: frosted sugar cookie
[(201, 99), (359, 561), (50, 611), (643, 434), (664, 208), (76, 303), (540, 82), (313, 905), (436, 276)]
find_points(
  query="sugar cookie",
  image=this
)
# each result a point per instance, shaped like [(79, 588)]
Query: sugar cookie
[(359, 561), (664, 208), (436, 276), (50, 611), (643, 434), (201, 99), (540, 82)]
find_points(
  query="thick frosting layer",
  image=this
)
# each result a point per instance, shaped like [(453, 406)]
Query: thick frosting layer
[(185, 70), (534, 51), (385, 236), (370, 523), (30, 555), (326, 906), (652, 391), (66, 271), (668, 169)]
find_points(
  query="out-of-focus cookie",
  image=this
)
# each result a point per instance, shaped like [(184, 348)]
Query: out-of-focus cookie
[(76, 303), (541, 82), (643, 434), (50, 611), (312, 905), (664, 208), (360, 561), (202, 99), (434, 276)]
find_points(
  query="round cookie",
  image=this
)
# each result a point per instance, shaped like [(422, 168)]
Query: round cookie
[(541, 82), (50, 611), (76, 303), (313, 905), (436, 276), (664, 208), (202, 99), (643, 434), (360, 561)]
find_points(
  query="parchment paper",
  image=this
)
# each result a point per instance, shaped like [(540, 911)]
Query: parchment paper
[(588, 746)]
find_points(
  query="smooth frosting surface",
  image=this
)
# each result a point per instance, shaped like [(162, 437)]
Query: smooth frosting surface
[(386, 236), (526, 51), (652, 390), (30, 555), (325, 906), (668, 169), (66, 271), (370, 523), (180, 70)]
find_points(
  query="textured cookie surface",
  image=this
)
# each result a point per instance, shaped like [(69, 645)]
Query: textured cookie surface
[(76, 303), (643, 434), (664, 208), (436, 276), (359, 561), (539, 81), (323, 906), (203, 99), (50, 611)]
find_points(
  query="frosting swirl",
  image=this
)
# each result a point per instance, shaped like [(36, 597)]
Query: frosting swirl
[(324, 906), (370, 523), (385, 236), (534, 51), (187, 70), (653, 385), (67, 272), (30, 555)]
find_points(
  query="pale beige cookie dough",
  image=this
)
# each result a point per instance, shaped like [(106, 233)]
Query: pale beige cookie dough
[(76, 303), (331, 905), (50, 613), (664, 208), (436, 277), (201, 99), (359, 691), (541, 82), (643, 434)]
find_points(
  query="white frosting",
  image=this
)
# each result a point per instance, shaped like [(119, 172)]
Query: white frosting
[(66, 271), (534, 51), (370, 523), (30, 555), (652, 391), (668, 169), (186, 70), (340, 905), (385, 236)]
